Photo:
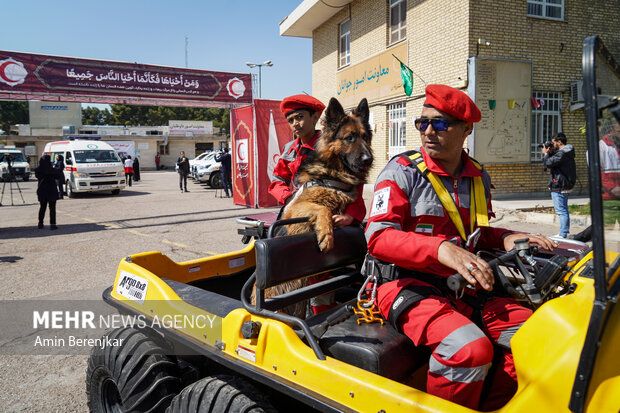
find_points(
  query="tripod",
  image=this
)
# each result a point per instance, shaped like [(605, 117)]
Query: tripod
[(11, 178)]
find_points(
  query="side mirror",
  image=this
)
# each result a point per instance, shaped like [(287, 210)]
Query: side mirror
[(68, 162)]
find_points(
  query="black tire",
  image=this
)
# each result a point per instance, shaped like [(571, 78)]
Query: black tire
[(26, 178), (215, 181), (69, 190), (116, 191), (219, 394), (137, 376)]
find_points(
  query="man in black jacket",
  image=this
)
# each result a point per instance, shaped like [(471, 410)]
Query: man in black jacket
[(225, 159), (183, 164), (560, 160)]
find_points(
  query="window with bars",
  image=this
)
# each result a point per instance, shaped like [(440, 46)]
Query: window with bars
[(398, 20), (549, 9), (345, 42), (397, 116), (546, 121)]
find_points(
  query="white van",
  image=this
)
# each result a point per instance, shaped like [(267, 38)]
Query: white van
[(90, 166), (19, 165)]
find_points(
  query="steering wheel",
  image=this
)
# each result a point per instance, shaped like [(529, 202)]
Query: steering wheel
[(521, 251)]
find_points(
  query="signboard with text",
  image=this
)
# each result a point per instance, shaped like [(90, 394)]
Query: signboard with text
[(375, 78), (25, 76)]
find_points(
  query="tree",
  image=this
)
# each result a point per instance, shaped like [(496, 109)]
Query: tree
[(12, 113), (96, 116)]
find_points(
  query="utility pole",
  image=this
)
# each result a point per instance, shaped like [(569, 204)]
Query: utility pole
[(186, 43)]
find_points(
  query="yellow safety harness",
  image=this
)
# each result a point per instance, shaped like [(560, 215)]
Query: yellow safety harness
[(478, 212)]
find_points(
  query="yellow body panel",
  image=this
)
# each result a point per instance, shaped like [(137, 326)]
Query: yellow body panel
[(546, 349)]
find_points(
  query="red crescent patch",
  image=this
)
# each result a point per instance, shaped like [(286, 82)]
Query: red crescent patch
[(2, 70)]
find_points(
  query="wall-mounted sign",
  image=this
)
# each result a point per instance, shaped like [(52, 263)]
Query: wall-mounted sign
[(376, 78)]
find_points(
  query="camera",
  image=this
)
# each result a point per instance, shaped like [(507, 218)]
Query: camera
[(546, 145)]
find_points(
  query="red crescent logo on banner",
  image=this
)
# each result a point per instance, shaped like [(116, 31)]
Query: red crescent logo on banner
[(12, 72), (241, 151), (235, 88)]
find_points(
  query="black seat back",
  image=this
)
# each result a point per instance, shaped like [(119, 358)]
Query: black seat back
[(287, 258)]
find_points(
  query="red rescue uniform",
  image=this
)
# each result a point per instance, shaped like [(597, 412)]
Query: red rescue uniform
[(407, 224)]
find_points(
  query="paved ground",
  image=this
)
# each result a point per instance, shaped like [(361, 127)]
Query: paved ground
[(79, 260)]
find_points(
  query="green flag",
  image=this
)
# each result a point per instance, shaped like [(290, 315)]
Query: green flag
[(407, 76)]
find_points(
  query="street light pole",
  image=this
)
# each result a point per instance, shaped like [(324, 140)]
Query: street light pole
[(260, 65)]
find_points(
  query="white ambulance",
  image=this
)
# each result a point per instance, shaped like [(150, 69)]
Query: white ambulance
[(90, 165)]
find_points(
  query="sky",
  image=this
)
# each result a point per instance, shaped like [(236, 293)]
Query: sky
[(223, 36)]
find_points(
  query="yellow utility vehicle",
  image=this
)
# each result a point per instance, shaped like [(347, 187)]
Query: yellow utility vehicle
[(203, 347)]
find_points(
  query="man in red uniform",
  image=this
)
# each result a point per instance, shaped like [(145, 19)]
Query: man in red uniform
[(302, 113), (425, 206)]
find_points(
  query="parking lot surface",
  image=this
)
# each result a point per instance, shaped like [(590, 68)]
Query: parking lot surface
[(79, 260)]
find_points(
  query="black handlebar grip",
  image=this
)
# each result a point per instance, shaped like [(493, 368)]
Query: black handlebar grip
[(456, 282)]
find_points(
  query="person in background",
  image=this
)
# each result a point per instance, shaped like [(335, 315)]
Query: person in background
[(225, 159), (47, 189), (157, 160), (136, 169), (560, 160), (60, 165), (128, 170), (421, 223), (183, 164)]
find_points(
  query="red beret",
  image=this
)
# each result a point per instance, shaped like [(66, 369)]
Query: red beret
[(452, 101), (297, 102)]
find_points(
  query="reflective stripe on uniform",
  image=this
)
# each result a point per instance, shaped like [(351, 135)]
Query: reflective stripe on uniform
[(452, 344), (378, 226), (394, 175), (506, 335)]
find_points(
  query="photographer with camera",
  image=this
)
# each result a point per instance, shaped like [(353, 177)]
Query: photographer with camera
[(559, 158), (47, 190)]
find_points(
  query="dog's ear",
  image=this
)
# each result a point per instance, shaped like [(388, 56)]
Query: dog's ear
[(362, 111), (334, 112)]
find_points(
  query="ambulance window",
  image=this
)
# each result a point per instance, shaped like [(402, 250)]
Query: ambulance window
[(68, 159)]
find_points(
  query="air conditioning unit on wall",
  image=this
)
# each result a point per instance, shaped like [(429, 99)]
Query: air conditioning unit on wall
[(576, 92)]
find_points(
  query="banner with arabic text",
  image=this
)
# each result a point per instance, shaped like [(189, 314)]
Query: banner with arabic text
[(25, 76), (242, 140)]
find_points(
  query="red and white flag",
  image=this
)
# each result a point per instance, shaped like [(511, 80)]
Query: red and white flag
[(273, 148)]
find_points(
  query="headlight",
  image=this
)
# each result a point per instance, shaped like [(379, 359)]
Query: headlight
[(120, 173), (81, 175), (27, 168)]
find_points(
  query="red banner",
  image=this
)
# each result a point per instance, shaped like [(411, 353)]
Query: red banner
[(64, 78), (242, 140), (272, 133)]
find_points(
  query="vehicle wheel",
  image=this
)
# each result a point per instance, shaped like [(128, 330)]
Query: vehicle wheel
[(26, 178), (137, 376), (220, 394), (69, 190), (116, 191), (216, 180)]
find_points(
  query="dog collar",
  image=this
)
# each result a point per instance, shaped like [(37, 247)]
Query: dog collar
[(330, 183)]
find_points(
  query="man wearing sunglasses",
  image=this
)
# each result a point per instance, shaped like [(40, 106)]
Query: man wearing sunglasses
[(430, 213)]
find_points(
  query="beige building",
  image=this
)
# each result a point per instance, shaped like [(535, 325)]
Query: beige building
[(519, 60)]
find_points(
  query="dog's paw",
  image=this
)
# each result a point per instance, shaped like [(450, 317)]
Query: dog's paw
[(326, 242)]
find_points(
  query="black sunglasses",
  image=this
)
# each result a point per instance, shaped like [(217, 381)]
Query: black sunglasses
[(439, 124)]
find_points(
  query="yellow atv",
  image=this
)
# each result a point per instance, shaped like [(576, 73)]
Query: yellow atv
[(197, 344)]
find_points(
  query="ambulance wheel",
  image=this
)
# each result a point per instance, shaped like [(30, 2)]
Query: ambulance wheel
[(218, 394), (134, 376), (216, 180), (116, 191), (69, 190)]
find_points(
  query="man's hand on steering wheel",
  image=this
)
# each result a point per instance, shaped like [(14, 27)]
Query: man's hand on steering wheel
[(473, 268), (540, 240)]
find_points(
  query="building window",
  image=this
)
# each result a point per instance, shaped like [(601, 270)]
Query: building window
[(546, 121), (164, 149), (549, 9), (398, 20), (397, 115), (345, 42)]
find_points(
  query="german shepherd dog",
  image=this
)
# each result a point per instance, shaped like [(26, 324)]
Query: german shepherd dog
[(328, 181)]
